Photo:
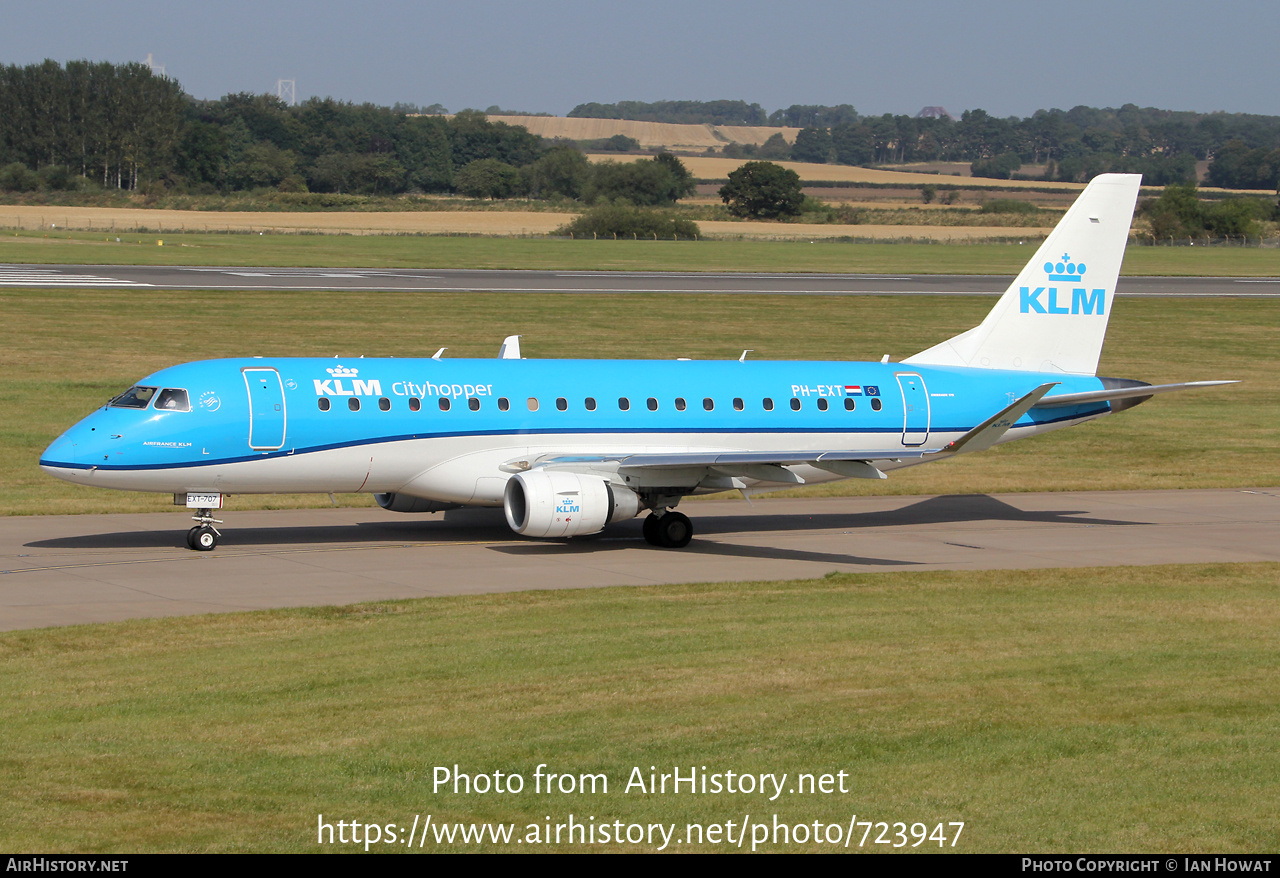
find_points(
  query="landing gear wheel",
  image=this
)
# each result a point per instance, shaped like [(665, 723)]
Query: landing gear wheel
[(191, 537), (650, 529), (674, 530), (203, 539)]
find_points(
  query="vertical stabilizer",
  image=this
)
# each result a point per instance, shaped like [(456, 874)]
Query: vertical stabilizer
[(1053, 318)]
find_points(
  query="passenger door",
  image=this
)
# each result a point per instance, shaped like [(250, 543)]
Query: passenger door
[(266, 408)]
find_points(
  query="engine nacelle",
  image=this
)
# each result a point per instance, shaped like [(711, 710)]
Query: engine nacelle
[(404, 503), (559, 504)]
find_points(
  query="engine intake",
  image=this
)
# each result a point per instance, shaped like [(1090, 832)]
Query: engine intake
[(559, 504)]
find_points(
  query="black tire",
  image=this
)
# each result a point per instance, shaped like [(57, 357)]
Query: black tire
[(675, 530), (650, 529), (204, 539), (191, 538)]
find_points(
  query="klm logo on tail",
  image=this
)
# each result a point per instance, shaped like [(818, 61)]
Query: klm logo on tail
[(1083, 301)]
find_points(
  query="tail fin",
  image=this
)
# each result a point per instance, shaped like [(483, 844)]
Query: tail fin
[(1053, 318)]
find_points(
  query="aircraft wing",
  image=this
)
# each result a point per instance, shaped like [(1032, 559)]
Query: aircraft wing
[(701, 467)]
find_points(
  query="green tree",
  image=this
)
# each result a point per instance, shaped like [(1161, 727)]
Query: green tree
[(563, 171), (763, 190), (813, 145), (776, 147), (487, 178), (661, 181)]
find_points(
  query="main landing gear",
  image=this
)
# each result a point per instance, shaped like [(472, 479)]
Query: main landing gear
[(204, 536), (669, 530)]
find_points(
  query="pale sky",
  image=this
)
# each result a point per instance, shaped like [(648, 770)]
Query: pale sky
[(892, 56)]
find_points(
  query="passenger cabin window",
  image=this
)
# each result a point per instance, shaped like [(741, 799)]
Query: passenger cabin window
[(822, 405), (473, 404), (652, 404), (876, 405), (795, 404), (708, 404), (415, 404), (444, 403), (737, 404), (849, 404), (533, 403), (323, 402), (768, 404), (354, 403), (562, 404), (680, 404), (384, 404), (134, 398), (589, 403), (624, 404), (504, 404), (173, 399)]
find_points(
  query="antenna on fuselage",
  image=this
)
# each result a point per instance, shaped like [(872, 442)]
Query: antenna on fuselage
[(743, 358), (437, 354), (510, 349)]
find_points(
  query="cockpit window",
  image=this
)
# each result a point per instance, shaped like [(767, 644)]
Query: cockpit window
[(173, 399), (134, 398)]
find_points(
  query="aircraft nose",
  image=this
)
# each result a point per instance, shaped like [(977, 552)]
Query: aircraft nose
[(61, 452)]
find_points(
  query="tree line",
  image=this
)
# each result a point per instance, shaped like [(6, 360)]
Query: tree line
[(120, 126), (1069, 145)]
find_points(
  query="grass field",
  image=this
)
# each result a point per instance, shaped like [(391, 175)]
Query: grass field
[(412, 251), (1104, 710), (69, 350), (1118, 709)]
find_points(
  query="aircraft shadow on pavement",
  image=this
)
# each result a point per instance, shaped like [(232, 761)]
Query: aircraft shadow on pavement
[(467, 526)]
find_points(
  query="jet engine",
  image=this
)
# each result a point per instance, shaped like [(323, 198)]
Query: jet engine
[(405, 503), (560, 504)]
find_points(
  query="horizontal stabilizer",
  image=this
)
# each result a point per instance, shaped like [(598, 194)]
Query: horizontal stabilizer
[(1140, 392), (988, 433)]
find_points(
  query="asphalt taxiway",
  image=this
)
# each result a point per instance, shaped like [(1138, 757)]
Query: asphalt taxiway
[(65, 570), (468, 280)]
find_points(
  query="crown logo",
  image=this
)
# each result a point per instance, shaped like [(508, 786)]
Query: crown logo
[(1065, 270), (343, 372)]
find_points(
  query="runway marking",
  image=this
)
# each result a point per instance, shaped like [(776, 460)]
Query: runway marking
[(50, 277)]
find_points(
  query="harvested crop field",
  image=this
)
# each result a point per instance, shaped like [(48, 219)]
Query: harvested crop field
[(649, 134), (497, 223), (706, 168), (514, 222)]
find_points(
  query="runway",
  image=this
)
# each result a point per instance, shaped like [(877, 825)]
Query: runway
[(66, 570), (459, 280)]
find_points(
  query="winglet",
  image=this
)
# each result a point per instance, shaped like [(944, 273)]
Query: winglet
[(986, 434)]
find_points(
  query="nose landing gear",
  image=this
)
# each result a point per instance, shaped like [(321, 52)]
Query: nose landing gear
[(204, 536)]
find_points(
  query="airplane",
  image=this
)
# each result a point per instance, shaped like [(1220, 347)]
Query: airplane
[(567, 447)]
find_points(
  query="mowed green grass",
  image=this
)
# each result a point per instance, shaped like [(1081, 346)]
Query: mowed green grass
[(64, 352), (1090, 710), (412, 251)]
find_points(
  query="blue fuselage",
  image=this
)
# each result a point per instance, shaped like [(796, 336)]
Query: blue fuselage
[(443, 428)]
